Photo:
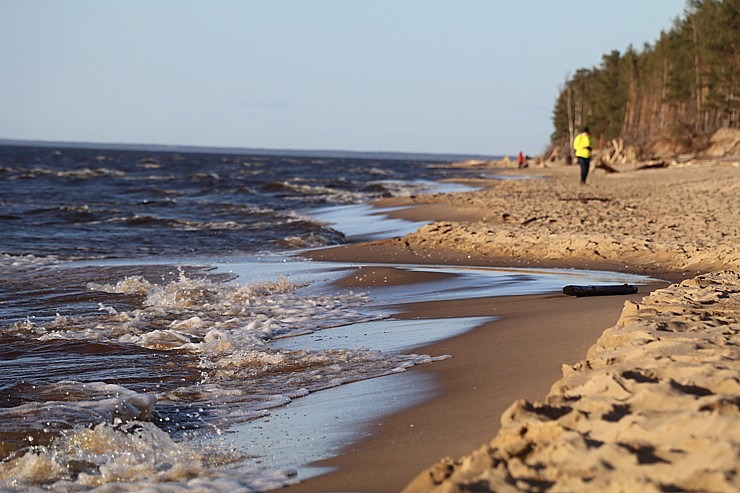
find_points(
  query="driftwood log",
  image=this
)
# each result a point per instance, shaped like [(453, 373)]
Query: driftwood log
[(599, 290)]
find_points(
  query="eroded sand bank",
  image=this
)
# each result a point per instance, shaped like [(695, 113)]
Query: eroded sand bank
[(653, 407)]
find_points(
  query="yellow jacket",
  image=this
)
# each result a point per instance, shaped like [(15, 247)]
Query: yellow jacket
[(583, 144)]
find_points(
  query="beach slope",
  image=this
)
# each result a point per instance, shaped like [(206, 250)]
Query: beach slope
[(653, 407), (654, 404)]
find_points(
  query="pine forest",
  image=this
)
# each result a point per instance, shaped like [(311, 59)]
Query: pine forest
[(675, 93)]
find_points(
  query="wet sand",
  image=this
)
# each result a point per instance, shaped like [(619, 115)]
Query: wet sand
[(515, 357), (628, 222)]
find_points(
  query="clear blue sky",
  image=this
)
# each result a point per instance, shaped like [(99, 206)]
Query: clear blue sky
[(454, 76)]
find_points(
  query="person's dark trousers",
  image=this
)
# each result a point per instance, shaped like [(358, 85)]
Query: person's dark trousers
[(584, 163)]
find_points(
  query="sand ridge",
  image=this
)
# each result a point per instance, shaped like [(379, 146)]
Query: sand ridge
[(655, 406)]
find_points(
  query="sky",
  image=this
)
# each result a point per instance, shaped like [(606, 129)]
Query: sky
[(422, 76)]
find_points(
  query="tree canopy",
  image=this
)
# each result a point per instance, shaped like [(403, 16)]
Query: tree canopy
[(682, 88)]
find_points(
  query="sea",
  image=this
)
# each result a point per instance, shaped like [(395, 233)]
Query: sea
[(158, 325)]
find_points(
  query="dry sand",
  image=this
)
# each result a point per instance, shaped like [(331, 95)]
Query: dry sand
[(678, 219), (655, 404)]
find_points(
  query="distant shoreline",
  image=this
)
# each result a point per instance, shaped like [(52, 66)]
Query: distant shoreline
[(318, 153)]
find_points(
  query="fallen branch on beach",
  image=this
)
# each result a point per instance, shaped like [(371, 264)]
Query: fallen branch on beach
[(533, 219), (659, 164), (596, 290), (606, 167)]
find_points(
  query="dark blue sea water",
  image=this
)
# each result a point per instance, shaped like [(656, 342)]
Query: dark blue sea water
[(94, 203), (111, 312), (152, 304)]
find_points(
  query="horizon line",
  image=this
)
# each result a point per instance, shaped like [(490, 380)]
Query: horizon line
[(240, 150)]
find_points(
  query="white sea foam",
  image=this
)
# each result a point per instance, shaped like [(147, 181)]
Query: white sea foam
[(13, 264), (135, 456), (90, 402), (230, 328), (26, 173)]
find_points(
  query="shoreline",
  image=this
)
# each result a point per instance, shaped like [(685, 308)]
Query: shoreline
[(407, 441), (492, 366), (375, 463)]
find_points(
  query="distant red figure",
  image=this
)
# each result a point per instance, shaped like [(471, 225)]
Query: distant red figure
[(521, 159)]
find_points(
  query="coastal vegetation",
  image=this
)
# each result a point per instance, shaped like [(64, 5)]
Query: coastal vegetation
[(669, 97)]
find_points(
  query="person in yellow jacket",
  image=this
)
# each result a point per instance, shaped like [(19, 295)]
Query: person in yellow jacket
[(583, 144)]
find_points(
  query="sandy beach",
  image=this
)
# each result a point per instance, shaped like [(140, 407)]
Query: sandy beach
[(643, 389)]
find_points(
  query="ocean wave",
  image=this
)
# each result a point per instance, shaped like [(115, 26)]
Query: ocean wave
[(133, 456), (314, 193), (177, 224), (312, 239), (152, 178), (22, 173), (395, 188), (337, 192), (52, 408), (11, 265), (230, 328), (220, 333), (193, 307), (209, 176), (71, 213), (374, 170)]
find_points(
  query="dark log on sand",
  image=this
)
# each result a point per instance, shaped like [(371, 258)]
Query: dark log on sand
[(605, 290)]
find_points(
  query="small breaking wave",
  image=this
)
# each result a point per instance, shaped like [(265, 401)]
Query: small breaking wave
[(23, 173), (219, 333), (133, 456), (179, 223), (316, 194), (229, 328)]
